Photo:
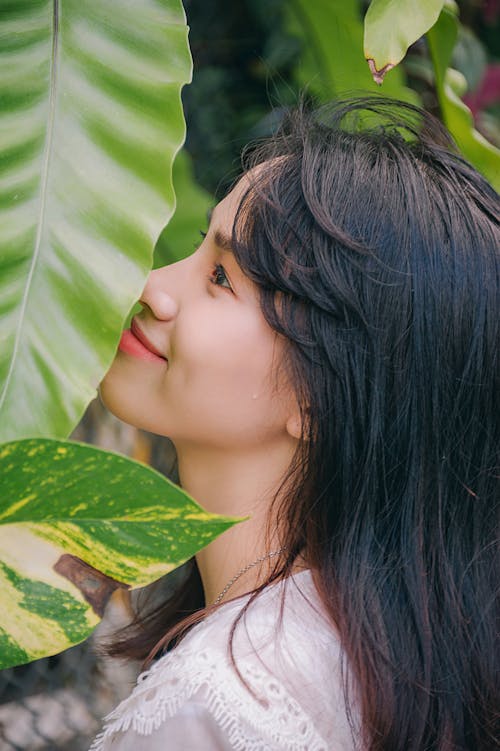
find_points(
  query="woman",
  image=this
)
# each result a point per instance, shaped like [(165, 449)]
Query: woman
[(326, 363)]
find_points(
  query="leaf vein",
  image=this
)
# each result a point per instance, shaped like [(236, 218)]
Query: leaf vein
[(43, 197)]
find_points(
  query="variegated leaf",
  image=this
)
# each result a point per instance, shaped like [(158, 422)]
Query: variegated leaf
[(77, 522)]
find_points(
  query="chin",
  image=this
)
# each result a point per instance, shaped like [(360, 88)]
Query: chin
[(121, 409), (108, 399), (114, 395), (124, 400)]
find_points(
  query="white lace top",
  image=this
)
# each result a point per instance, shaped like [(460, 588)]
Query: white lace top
[(193, 698)]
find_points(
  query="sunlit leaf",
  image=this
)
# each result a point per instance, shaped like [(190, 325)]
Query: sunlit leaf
[(391, 26), (332, 61), (76, 523), (90, 121)]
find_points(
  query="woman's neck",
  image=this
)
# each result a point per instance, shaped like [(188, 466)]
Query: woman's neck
[(240, 484)]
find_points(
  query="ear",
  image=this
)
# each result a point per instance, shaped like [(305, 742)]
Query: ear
[(294, 426)]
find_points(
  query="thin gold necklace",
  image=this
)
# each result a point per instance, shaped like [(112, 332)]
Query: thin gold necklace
[(246, 568)]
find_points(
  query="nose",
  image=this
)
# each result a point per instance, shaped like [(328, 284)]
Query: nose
[(156, 294)]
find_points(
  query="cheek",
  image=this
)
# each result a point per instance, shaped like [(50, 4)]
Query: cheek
[(229, 378), (237, 355), (222, 386)]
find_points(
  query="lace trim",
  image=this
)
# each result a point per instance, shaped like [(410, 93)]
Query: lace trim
[(272, 715)]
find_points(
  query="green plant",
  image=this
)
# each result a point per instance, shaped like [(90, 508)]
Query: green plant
[(450, 86), (91, 119), (182, 233), (76, 524), (388, 34), (391, 27), (332, 63)]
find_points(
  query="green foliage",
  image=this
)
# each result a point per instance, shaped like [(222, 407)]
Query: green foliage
[(243, 63), (182, 233), (391, 26), (66, 510), (90, 121), (456, 115), (388, 35), (469, 57), (332, 60)]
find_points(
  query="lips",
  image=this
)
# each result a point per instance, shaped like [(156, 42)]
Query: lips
[(134, 342)]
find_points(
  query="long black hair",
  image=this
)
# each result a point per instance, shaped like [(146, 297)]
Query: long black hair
[(375, 248)]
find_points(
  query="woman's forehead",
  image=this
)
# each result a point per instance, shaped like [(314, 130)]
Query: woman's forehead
[(222, 216)]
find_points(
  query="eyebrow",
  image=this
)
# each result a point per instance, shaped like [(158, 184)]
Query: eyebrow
[(222, 240)]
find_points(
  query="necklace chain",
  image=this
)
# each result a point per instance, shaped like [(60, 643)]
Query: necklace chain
[(246, 568)]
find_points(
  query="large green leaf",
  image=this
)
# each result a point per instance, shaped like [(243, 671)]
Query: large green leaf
[(77, 522), (391, 26), (90, 121), (456, 115), (332, 61)]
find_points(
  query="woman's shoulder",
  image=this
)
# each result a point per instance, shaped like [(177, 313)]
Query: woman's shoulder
[(278, 688), (288, 639), (283, 615)]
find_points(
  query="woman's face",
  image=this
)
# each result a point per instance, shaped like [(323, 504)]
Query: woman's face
[(209, 372)]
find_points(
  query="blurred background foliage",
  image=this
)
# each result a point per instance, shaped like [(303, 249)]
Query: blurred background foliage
[(252, 59)]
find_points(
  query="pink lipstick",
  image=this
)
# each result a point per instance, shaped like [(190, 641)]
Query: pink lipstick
[(133, 342)]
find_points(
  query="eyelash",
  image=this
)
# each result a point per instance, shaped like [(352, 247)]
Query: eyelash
[(218, 274)]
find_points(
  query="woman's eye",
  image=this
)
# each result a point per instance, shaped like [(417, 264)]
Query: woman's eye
[(219, 278)]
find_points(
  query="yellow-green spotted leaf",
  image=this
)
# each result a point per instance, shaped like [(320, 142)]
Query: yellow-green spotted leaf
[(391, 26), (77, 522), (90, 121)]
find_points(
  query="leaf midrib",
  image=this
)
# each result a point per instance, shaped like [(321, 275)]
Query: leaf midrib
[(43, 195)]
